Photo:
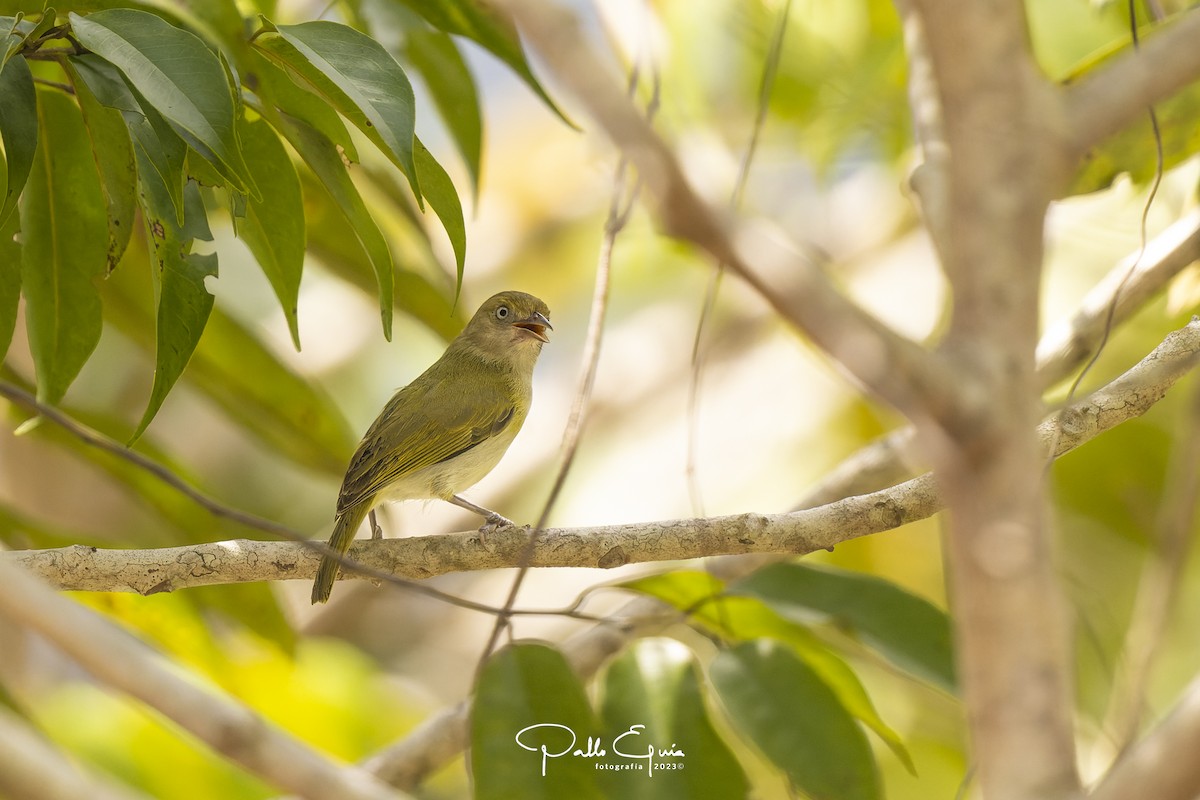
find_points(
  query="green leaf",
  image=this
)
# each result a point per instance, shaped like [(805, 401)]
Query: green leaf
[(64, 236), (439, 189), (112, 150), (784, 707), (738, 618), (280, 94), (18, 130), (10, 282), (273, 228), (153, 136), (452, 88), (485, 25), (526, 685), (908, 630), (358, 77), (656, 683), (183, 300), (322, 158), (178, 76)]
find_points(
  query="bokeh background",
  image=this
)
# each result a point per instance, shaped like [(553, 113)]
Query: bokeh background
[(771, 415)]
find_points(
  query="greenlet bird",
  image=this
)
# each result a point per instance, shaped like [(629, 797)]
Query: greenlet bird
[(447, 429)]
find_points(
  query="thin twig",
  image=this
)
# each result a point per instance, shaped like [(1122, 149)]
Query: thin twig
[(621, 205), (765, 86)]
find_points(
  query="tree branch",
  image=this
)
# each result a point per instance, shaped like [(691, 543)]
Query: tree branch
[(83, 568), (114, 658), (1113, 96)]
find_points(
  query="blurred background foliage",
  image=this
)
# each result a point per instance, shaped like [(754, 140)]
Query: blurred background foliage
[(268, 428)]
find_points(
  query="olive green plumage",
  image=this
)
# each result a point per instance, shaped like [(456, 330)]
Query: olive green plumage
[(447, 429)]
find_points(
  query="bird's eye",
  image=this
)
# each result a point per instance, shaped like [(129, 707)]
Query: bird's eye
[(502, 312)]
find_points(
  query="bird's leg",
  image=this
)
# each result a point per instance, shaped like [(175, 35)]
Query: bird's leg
[(492, 519), (376, 531)]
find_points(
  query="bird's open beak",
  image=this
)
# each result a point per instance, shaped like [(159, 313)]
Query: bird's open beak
[(536, 324)]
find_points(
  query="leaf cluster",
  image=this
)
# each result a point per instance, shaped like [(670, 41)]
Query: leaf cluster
[(126, 130), (780, 686)]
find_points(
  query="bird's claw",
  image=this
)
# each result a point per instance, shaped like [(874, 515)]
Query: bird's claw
[(493, 523), (496, 521)]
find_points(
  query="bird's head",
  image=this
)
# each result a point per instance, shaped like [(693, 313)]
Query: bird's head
[(509, 324)]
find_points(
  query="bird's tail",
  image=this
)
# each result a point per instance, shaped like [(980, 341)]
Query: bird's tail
[(344, 528)]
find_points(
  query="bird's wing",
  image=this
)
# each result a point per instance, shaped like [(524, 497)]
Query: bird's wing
[(442, 419)]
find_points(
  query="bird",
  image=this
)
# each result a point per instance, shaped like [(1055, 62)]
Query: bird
[(445, 431)]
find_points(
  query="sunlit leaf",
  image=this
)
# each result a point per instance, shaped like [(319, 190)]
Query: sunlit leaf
[(320, 155), (184, 302), (485, 25), (784, 707), (527, 685), (178, 75), (113, 152), (273, 227), (452, 88), (444, 200), (152, 135), (18, 131), (908, 630), (656, 683), (64, 233), (357, 76)]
